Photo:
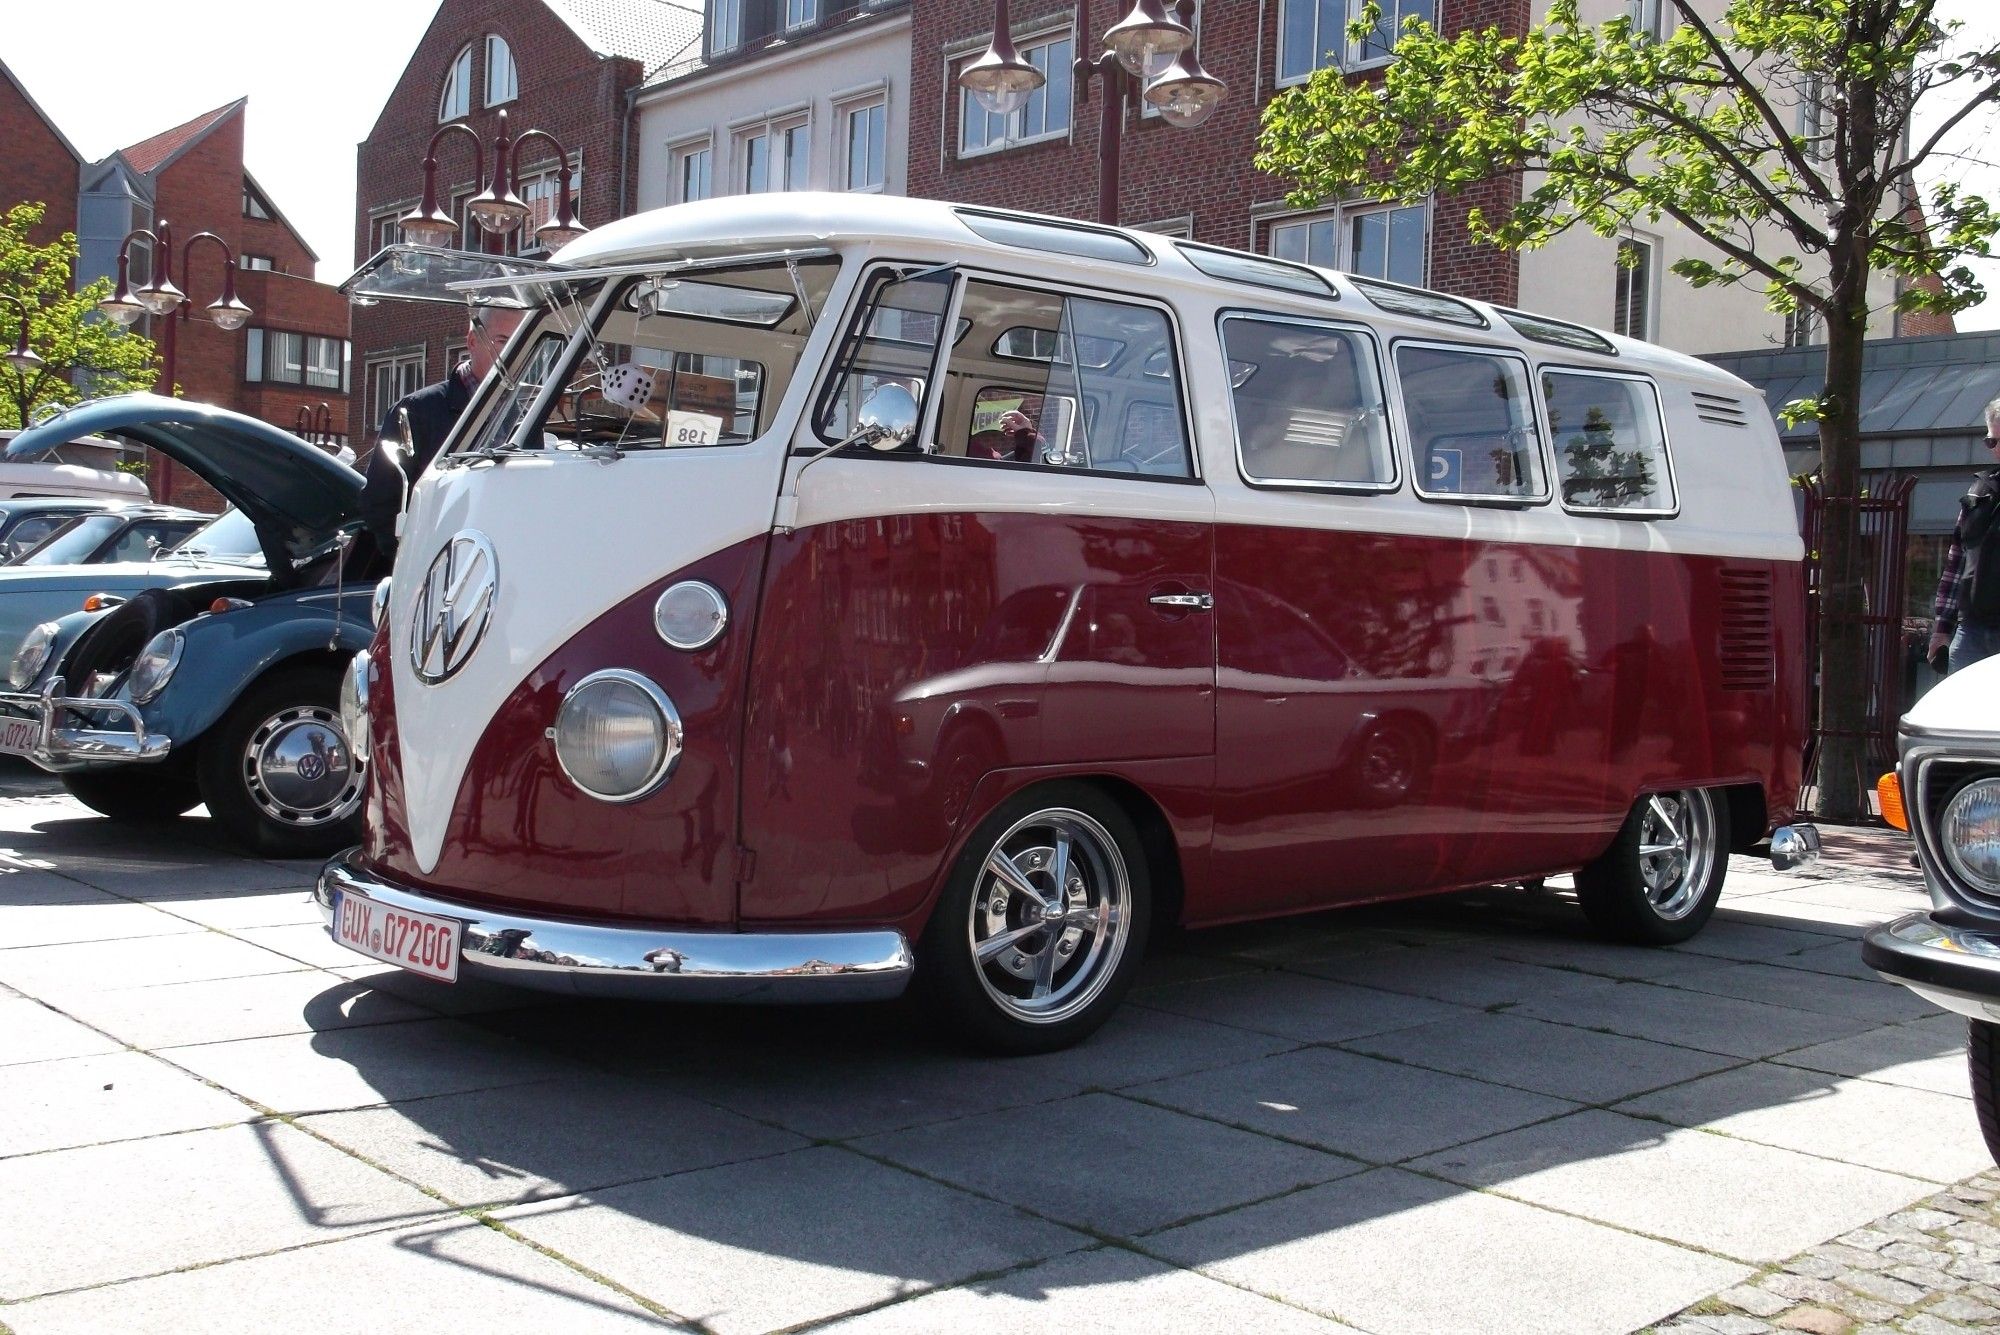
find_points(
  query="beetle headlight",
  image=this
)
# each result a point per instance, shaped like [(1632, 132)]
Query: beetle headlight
[(1969, 832), (617, 735), (354, 705), (32, 656), (155, 665)]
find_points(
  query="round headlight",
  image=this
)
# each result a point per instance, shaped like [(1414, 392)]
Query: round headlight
[(155, 665), (1970, 834), (32, 656), (354, 704), (617, 735), (691, 615), (378, 606)]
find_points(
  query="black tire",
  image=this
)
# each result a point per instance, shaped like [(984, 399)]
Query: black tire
[(1046, 987), (254, 797), (138, 792), (1982, 1058), (1639, 897)]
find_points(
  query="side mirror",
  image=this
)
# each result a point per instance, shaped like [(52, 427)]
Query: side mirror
[(888, 419)]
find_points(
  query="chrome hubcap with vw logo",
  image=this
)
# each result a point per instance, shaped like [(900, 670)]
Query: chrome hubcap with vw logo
[(454, 606)]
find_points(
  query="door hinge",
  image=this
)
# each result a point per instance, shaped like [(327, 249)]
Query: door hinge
[(746, 864)]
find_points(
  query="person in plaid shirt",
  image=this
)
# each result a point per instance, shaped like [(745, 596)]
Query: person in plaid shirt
[(1965, 618)]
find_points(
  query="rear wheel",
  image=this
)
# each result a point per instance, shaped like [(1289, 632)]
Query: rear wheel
[(1659, 881), (1038, 933), (1982, 1056), (145, 792), (277, 771)]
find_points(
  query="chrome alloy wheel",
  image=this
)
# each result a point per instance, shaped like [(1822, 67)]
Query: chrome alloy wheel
[(298, 768), (1677, 850), (1051, 915)]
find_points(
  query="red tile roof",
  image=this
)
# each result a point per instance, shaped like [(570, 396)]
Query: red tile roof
[(148, 155)]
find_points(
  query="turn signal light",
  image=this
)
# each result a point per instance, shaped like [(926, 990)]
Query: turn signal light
[(1889, 790), (98, 602), (221, 605)]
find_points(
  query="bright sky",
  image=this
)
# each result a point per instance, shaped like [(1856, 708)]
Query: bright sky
[(317, 73)]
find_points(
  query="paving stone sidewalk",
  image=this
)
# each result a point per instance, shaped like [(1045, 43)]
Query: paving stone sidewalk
[(1932, 1269), (1457, 1115)]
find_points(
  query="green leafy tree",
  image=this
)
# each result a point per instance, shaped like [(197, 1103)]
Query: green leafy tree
[(1783, 135), (80, 351)]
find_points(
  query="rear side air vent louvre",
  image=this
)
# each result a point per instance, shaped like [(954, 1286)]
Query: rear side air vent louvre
[(1719, 410), (1744, 649)]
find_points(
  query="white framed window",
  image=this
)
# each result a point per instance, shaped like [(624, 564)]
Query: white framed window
[(1649, 18), (456, 98), (454, 353), (254, 203), (279, 356), (1801, 329), (1380, 45), (1309, 36), (1632, 299), (800, 13), (867, 145), (503, 82), (774, 156), (257, 264), (1046, 115), (385, 229), (725, 25), (692, 167), (391, 378), (1391, 242)]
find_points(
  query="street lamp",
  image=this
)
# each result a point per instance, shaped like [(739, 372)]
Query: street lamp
[(1148, 44), (497, 209), (23, 357)]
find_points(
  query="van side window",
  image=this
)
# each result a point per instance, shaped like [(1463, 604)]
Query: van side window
[(891, 341), (1064, 381), (1472, 424), (1611, 447), (1308, 402)]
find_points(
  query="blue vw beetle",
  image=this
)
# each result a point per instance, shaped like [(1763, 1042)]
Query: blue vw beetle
[(222, 687)]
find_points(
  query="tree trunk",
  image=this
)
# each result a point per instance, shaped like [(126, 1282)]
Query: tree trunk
[(1843, 671)]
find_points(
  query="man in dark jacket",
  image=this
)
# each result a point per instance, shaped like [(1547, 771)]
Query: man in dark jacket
[(433, 411), (1966, 614)]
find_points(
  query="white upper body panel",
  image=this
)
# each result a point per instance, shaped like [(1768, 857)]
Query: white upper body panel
[(1968, 701)]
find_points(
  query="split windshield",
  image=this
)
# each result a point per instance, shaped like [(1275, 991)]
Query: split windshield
[(674, 361)]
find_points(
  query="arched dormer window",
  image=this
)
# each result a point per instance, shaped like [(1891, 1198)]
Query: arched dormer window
[(503, 84), (456, 99)]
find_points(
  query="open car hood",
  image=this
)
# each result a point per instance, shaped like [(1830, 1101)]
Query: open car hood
[(297, 495)]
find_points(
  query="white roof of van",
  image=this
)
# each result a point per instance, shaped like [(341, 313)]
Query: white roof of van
[(819, 218)]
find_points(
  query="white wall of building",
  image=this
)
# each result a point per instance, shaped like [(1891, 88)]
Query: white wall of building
[(819, 84)]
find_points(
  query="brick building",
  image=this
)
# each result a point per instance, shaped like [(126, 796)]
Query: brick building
[(293, 355), (37, 162), (563, 66)]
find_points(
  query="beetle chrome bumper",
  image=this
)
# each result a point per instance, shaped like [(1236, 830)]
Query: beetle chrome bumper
[(1794, 846), (597, 959), (28, 728), (1955, 967)]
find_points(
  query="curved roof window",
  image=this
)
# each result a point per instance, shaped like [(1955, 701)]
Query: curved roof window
[(456, 99), (503, 83)]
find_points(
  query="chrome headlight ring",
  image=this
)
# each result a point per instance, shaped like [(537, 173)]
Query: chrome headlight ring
[(617, 736), (1969, 835), (691, 615), (155, 666)]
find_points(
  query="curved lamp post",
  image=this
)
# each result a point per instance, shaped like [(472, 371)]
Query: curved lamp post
[(1149, 49), (498, 209), (23, 358)]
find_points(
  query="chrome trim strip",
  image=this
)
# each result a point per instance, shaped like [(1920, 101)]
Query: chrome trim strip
[(58, 749), (1955, 967), (596, 959)]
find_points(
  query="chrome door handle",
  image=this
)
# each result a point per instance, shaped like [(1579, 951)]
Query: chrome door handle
[(1199, 602)]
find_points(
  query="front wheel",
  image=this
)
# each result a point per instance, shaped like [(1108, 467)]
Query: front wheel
[(1659, 881), (1038, 932), (1982, 1057), (277, 771)]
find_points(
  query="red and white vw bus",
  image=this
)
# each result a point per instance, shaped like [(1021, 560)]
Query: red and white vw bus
[(829, 593)]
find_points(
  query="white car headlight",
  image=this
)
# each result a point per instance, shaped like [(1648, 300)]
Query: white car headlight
[(1970, 834), (32, 656), (617, 735), (354, 704), (155, 665)]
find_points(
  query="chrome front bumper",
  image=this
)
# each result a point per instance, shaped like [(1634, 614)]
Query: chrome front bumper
[(1955, 967), (58, 748), (595, 959)]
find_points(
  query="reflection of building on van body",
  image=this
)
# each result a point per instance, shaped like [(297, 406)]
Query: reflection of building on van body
[(1217, 647)]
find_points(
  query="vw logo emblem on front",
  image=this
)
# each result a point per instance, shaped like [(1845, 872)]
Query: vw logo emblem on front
[(454, 606)]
